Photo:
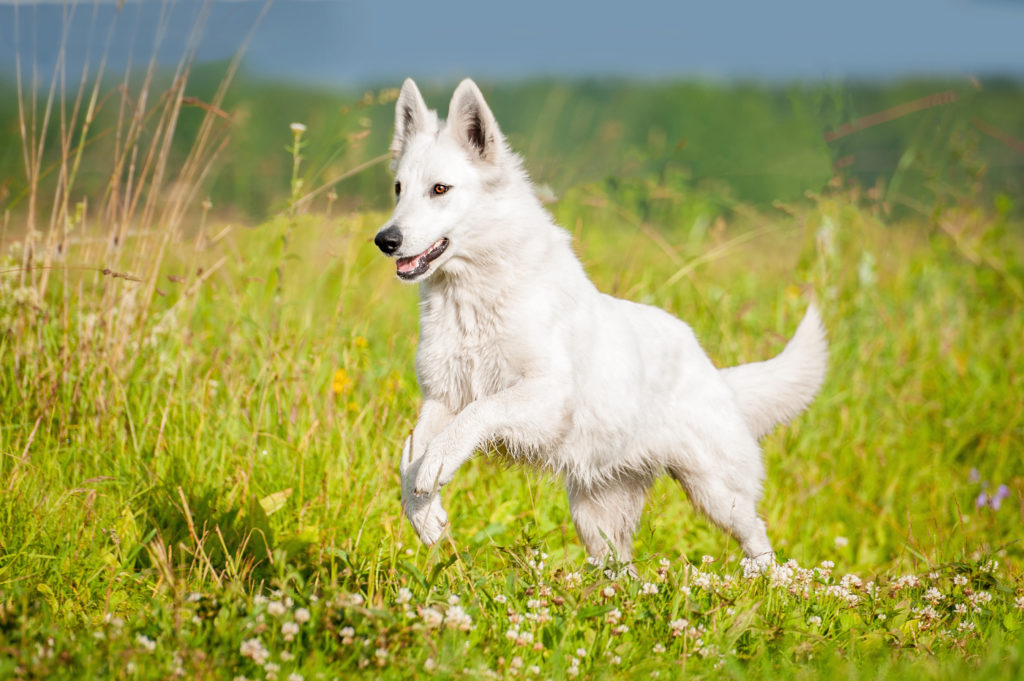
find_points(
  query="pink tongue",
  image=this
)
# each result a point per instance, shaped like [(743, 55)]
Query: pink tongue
[(408, 264)]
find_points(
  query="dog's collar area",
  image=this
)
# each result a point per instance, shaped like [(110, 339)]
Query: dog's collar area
[(414, 266)]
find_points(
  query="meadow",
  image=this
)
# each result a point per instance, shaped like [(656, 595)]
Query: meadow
[(202, 414)]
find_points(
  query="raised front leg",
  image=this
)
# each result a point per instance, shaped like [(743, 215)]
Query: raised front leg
[(425, 512), (530, 414)]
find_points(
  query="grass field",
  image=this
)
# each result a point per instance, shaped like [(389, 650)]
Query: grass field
[(200, 418), (206, 485)]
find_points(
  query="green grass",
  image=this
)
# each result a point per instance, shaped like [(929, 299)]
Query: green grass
[(183, 477)]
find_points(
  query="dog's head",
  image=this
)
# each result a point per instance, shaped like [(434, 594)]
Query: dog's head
[(444, 172)]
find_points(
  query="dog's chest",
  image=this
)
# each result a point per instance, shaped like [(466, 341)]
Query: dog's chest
[(463, 353)]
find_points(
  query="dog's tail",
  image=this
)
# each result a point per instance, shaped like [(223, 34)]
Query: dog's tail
[(776, 390)]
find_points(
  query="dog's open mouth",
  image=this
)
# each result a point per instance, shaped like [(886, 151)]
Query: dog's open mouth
[(414, 266)]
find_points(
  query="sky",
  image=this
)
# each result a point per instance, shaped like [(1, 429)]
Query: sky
[(363, 42)]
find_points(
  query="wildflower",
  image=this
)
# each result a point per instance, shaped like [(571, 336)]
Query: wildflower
[(453, 599), (959, 580), (341, 383), (302, 615), (882, 617), (649, 589), (990, 566), (1019, 603), (533, 669), (431, 617), (840, 542), (347, 634), (382, 655), (516, 662), (965, 627), (619, 630), (814, 621), (430, 664), (297, 128), (608, 592), (613, 616), (289, 630), (533, 604), (994, 500), (658, 648), (933, 596), (581, 652), (457, 618), (615, 659), (287, 656), (148, 644), (678, 627), (960, 608), (707, 560), (253, 649), (276, 608), (271, 670)]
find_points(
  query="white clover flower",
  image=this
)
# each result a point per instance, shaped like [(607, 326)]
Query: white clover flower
[(933, 595), (453, 600), (430, 664), (516, 662), (271, 670), (613, 616), (302, 615), (814, 621), (253, 649), (649, 589), (882, 617), (678, 626), (457, 618), (404, 596), (533, 604), (616, 659), (289, 630), (500, 598), (287, 656), (431, 617), (960, 608), (658, 649), (960, 580), (148, 644), (295, 676), (965, 627), (707, 560), (840, 541), (533, 669), (276, 608), (608, 592), (1019, 603)]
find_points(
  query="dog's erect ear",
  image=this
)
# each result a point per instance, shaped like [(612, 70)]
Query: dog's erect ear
[(473, 123), (411, 115)]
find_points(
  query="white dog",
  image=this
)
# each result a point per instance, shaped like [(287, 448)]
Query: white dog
[(518, 350)]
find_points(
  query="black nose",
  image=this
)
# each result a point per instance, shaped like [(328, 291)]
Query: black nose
[(388, 240)]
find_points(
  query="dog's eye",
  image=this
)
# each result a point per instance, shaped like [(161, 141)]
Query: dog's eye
[(398, 189), (440, 189)]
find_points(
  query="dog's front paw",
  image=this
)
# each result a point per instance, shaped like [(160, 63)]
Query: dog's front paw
[(429, 476), (427, 516)]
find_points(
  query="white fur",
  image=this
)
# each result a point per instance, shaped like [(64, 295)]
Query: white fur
[(520, 351)]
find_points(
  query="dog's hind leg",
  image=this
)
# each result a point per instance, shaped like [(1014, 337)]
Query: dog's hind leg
[(730, 501), (607, 516)]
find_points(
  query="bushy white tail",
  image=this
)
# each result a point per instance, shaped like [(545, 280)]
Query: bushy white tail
[(776, 390)]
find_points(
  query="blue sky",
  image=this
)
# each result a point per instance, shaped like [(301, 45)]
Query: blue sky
[(357, 42)]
